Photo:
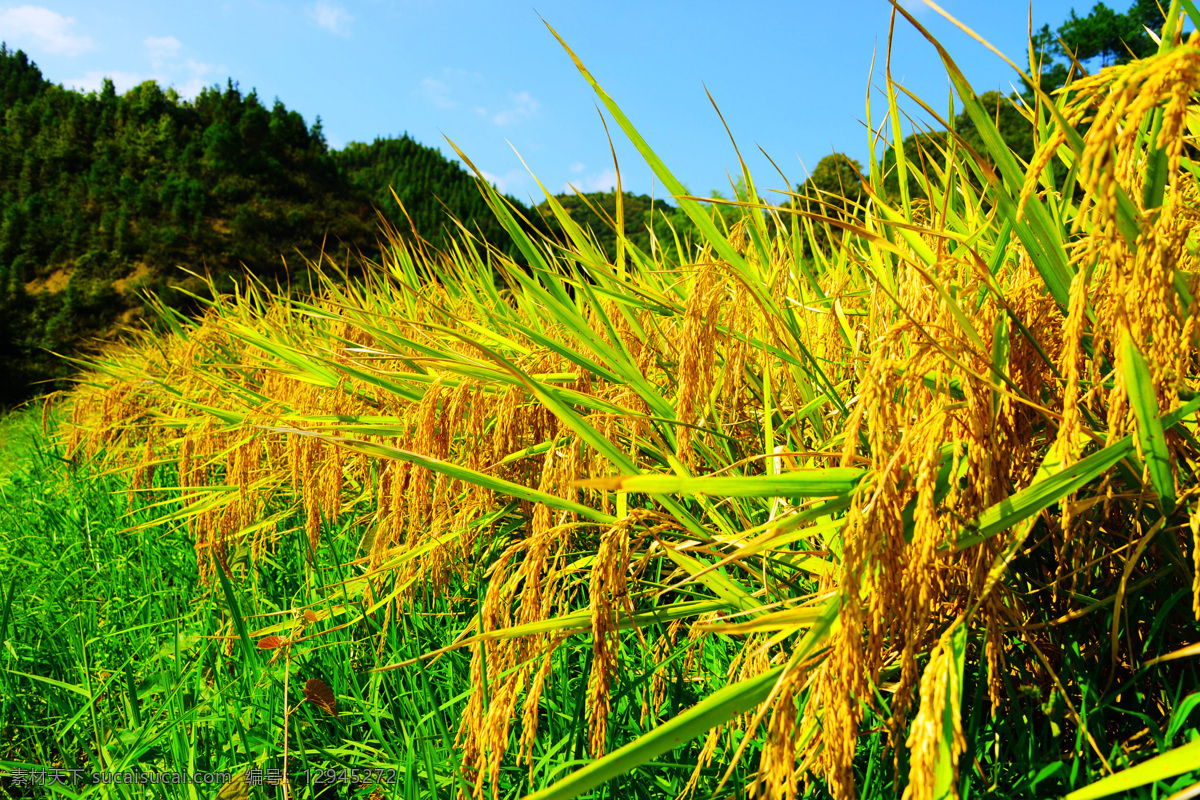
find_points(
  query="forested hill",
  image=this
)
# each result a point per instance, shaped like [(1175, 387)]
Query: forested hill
[(431, 187), (103, 194), (597, 211), (428, 184)]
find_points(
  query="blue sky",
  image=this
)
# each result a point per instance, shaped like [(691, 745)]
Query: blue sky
[(789, 77)]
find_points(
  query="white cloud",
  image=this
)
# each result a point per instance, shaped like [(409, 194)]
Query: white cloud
[(453, 88), (523, 105), (470, 92), (495, 180), (161, 48), (510, 182), (93, 80), (44, 29), (190, 78), (437, 92), (603, 181), (331, 16), (577, 167), (186, 77)]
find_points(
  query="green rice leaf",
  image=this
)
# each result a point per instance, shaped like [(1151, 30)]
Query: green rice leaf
[(717, 708), (1160, 768), (1155, 183), (805, 483), (1049, 490), (1151, 439), (720, 585), (1000, 349), (239, 623), (1192, 12)]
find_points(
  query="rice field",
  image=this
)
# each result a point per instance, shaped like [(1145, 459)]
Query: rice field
[(911, 515)]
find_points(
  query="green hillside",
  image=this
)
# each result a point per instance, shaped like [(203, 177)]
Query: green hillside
[(431, 187), (597, 211), (103, 194)]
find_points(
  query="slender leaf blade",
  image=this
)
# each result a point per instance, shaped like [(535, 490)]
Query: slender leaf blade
[(1151, 439)]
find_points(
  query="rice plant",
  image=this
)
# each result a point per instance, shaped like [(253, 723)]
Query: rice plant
[(915, 513)]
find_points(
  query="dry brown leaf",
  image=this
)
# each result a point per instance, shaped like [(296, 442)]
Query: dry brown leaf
[(317, 692)]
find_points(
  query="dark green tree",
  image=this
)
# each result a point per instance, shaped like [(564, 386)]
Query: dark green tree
[(1112, 37), (597, 212), (431, 187), (834, 186)]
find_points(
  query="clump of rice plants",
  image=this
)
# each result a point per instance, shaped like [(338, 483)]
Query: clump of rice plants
[(834, 517)]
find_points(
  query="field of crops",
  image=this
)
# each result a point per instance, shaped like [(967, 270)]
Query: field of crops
[(896, 498)]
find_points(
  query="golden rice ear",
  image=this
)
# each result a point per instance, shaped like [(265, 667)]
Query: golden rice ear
[(778, 776), (697, 352), (530, 712), (829, 706), (608, 597), (1194, 524), (934, 749), (703, 761)]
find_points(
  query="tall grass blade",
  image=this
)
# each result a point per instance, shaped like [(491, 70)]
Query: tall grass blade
[(1151, 440), (828, 482), (249, 651), (714, 710), (1159, 768)]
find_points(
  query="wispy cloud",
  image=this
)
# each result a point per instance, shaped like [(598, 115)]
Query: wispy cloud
[(456, 88), (40, 28), (511, 182), (187, 76), (161, 48), (331, 16), (191, 77), (437, 92), (603, 181), (577, 167), (918, 8), (452, 88), (523, 105), (495, 180)]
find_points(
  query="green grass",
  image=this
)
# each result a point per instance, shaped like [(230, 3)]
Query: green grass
[(115, 658)]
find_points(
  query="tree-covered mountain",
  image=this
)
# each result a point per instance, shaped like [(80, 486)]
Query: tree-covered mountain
[(431, 188), (597, 211), (102, 194), (105, 194)]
